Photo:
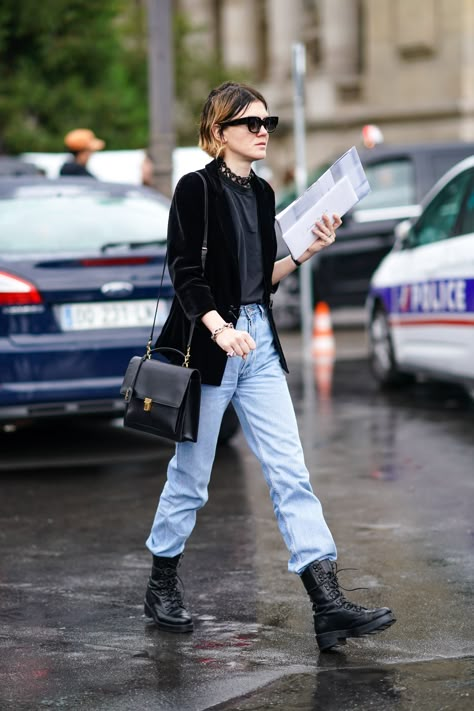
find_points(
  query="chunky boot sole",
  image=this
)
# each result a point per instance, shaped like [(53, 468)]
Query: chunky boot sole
[(168, 626), (327, 640)]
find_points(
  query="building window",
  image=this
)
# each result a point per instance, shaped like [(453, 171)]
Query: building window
[(312, 32), (217, 15), (417, 28), (262, 40), (361, 38)]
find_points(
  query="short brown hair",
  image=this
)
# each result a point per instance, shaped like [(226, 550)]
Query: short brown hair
[(223, 104)]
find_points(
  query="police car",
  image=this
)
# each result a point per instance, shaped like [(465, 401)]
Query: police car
[(421, 301)]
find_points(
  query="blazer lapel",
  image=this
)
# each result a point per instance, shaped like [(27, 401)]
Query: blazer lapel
[(222, 211)]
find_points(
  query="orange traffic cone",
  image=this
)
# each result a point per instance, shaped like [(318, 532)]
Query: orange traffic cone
[(323, 349), (323, 345)]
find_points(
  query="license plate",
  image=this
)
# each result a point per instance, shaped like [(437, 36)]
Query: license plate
[(114, 314)]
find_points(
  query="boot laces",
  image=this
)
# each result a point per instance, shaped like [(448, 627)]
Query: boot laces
[(168, 585), (336, 590)]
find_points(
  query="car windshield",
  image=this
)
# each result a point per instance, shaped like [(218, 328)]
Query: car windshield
[(392, 184), (79, 223)]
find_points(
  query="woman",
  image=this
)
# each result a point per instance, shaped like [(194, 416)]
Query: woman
[(236, 348)]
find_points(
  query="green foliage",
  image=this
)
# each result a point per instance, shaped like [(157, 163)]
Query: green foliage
[(61, 67), (67, 64)]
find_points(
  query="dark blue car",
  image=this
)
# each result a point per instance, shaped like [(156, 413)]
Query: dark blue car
[(80, 266)]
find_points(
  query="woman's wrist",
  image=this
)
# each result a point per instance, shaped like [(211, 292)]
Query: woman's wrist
[(217, 331), (212, 320), (296, 262)]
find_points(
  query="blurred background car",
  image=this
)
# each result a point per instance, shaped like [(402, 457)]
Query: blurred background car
[(421, 302), (399, 176), (11, 166), (122, 166), (80, 268)]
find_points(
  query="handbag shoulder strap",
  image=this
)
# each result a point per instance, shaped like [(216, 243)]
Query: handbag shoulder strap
[(206, 222), (203, 263)]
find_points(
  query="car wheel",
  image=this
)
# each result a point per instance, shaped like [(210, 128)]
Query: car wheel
[(381, 353), (286, 303), (230, 425)]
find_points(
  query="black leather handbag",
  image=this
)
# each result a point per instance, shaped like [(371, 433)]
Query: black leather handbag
[(162, 398)]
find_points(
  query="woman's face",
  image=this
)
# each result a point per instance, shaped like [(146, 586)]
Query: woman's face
[(240, 143)]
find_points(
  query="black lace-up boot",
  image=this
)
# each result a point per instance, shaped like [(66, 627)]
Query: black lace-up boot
[(163, 600), (335, 618)]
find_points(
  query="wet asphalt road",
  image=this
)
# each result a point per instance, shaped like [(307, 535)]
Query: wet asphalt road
[(395, 475)]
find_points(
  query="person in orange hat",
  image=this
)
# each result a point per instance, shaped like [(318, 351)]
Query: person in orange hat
[(81, 143)]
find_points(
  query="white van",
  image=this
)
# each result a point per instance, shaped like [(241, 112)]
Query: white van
[(421, 301), (121, 166)]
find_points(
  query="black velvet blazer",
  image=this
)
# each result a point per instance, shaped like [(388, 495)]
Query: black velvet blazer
[(219, 287)]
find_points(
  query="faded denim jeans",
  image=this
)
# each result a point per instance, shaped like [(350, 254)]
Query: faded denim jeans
[(259, 393)]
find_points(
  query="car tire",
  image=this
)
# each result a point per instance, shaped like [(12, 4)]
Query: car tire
[(383, 363), (229, 426)]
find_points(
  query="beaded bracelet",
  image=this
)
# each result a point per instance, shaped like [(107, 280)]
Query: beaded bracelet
[(216, 331)]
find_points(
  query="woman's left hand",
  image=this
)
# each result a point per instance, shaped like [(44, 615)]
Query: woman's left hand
[(325, 232)]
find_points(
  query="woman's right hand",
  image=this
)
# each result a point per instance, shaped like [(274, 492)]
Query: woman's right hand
[(235, 342)]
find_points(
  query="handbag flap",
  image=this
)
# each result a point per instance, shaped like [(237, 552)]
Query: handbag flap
[(130, 373), (164, 383)]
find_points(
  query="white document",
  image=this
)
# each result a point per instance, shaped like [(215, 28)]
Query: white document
[(340, 198), (337, 190)]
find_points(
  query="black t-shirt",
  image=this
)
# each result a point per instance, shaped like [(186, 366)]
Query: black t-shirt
[(243, 207), (75, 169)]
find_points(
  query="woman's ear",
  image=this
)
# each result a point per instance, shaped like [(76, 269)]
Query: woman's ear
[(218, 133)]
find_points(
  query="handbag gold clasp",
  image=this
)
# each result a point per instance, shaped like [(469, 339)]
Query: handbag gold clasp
[(147, 403)]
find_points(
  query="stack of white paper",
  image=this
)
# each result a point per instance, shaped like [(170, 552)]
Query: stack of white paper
[(336, 191)]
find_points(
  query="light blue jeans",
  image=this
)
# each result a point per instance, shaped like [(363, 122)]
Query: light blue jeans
[(259, 393)]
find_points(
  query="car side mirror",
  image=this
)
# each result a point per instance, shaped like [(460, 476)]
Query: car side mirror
[(402, 233), (348, 218)]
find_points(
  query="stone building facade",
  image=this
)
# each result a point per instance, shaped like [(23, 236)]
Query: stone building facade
[(404, 65)]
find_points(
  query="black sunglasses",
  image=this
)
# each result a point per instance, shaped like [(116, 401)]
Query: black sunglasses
[(254, 123)]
